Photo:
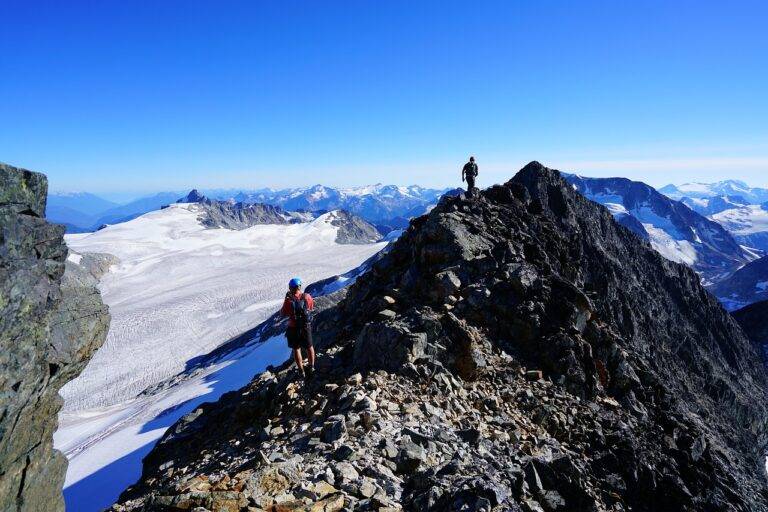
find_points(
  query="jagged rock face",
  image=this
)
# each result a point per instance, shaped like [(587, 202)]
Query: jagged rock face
[(217, 214), (193, 197), (353, 229), (747, 285), (49, 327), (429, 394), (232, 215), (753, 319)]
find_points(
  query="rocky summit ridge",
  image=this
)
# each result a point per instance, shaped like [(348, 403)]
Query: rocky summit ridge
[(518, 350), (51, 322)]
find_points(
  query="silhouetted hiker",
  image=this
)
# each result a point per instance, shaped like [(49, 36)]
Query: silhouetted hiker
[(298, 308), (470, 173)]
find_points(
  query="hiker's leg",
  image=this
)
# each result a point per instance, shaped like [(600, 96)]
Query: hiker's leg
[(297, 358), (311, 355)]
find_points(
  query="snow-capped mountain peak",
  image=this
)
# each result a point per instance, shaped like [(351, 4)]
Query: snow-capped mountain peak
[(673, 229), (754, 195)]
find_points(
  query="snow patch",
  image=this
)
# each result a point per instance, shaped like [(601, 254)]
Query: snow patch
[(744, 220), (680, 251)]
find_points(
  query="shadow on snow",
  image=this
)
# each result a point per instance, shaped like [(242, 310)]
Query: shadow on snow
[(241, 362)]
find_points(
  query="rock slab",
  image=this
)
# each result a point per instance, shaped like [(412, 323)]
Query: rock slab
[(51, 322)]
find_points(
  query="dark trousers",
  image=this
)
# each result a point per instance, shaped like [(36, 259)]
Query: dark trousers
[(299, 338), (470, 185)]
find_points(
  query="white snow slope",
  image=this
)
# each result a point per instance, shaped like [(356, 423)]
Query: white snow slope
[(662, 233), (748, 225), (179, 291), (743, 220)]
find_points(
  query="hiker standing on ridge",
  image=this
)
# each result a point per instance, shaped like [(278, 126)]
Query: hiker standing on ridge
[(298, 308), (470, 173)]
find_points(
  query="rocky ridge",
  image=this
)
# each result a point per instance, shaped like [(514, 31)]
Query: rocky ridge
[(232, 215), (516, 351), (353, 229), (51, 321)]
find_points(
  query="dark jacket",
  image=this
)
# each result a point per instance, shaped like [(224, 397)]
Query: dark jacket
[(470, 170)]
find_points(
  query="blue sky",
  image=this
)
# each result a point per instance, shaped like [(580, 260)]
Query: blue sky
[(136, 96)]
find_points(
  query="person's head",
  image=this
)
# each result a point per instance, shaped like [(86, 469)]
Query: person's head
[(294, 284), (471, 159)]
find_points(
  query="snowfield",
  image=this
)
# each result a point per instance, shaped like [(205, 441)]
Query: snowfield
[(745, 220), (748, 224), (179, 291)]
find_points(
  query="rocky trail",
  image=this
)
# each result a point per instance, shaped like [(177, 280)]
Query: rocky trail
[(516, 351)]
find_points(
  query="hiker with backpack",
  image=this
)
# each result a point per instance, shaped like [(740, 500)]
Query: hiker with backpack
[(298, 307), (469, 172)]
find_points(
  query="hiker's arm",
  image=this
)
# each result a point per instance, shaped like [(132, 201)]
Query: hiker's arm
[(310, 302), (286, 309)]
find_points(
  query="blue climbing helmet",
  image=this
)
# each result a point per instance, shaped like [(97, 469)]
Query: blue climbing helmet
[(294, 283)]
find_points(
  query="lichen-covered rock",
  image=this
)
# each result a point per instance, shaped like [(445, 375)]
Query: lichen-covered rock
[(49, 327), (568, 366)]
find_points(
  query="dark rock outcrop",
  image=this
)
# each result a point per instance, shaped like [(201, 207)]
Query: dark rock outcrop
[(49, 327), (218, 214), (753, 319), (232, 215), (516, 351), (353, 229), (193, 197)]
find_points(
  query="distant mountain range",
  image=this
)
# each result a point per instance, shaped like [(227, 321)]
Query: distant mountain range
[(753, 195), (747, 285), (716, 228), (739, 208), (228, 214), (387, 206), (82, 211), (673, 229), (705, 217)]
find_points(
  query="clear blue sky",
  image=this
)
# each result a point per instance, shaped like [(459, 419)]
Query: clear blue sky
[(137, 96)]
